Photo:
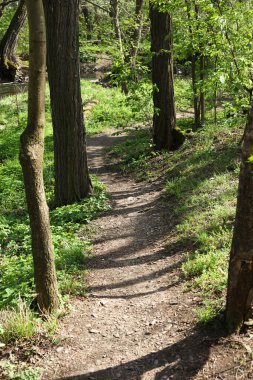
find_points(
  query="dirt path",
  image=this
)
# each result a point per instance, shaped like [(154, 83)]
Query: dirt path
[(138, 323)]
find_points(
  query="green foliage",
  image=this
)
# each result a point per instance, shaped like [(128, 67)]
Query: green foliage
[(183, 93), (71, 253), (207, 313), (5, 21), (113, 109), (205, 196), (122, 72), (6, 18), (12, 371), (16, 325), (134, 153)]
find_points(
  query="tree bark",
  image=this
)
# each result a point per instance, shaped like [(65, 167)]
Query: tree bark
[(164, 119), (196, 98), (72, 182), (202, 94), (116, 25), (31, 159), (240, 277), (88, 21), (8, 44), (137, 33)]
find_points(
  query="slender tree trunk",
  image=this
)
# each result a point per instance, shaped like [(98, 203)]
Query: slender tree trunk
[(116, 25), (88, 21), (31, 159), (215, 105), (240, 278), (196, 100), (114, 12), (194, 64), (202, 94), (72, 182), (137, 33), (8, 44), (164, 120), (215, 94)]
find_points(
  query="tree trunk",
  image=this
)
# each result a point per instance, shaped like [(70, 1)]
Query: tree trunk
[(8, 44), (198, 104), (164, 120), (88, 21), (31, 159), (136, 36), (202, 94), (116, 25), (196, 99), (72, 182), (240, 277)]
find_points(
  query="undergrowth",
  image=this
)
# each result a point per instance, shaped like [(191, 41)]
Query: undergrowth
[(72, 248), (115, 110)]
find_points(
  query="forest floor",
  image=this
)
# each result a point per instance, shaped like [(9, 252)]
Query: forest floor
[(139, 323)]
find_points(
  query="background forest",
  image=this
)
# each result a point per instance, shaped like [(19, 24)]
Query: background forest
[(175, 78)]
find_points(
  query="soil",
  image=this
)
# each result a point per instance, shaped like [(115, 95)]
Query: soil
[(139, 322)]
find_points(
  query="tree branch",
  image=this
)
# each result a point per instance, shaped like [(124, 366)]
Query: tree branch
[(96, 5)]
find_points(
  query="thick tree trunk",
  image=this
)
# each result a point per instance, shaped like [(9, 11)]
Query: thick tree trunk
[(240, 279), (8, 44), (164, 120), (72, 182), (31, 159)]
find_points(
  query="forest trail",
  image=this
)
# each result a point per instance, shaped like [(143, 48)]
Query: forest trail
[(137, 323)]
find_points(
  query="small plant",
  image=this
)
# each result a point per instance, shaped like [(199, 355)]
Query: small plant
[(50, 325), (133, 155), (16, 325), (10, 371), (73, 285), (208, 312)]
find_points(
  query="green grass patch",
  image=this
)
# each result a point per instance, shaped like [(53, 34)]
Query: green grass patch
[(115, 110), (71, 253), (133, 154)]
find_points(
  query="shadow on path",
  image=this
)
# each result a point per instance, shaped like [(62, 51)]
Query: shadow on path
[(180, 361)]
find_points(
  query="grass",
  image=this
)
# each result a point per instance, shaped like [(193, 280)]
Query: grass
[(114, 109), (200, 181), (71, 252), (17, 324)]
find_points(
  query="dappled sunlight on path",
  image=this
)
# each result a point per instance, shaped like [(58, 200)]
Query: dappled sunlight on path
[(137, 322)]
